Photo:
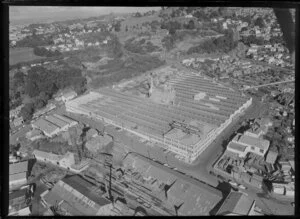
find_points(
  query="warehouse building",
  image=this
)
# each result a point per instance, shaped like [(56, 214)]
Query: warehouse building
[(237, 203), (60, 123), (47, 127), (202, 109), (54, 124), (18, 173), (70, 122), (74, 196), (190, 196)]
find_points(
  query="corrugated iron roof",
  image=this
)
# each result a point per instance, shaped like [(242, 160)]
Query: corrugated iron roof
[(236, 202), (18, 167)]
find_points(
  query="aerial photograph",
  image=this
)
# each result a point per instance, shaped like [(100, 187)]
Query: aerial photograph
[(151, 111)]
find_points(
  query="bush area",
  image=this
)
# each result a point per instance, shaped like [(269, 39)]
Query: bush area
[(222, 44), (41, 51), (35, 41), (117, 70), (140, 46), (42, 83)]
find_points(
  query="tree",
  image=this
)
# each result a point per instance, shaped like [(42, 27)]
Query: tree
[(200, 15), (117, 26), (19, 78), (259, 22), (39, 103), (126, 29), (27, 111), (32, 89), (191, 25), (138, 14)]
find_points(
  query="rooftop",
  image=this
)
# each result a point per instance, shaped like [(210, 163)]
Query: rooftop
[(63, 118), (236, 146), (45, 126), (17, 200), (56, 121), (49, 156), (70, 94), (182, 137), (19, 167), (252, 141), (78, 195), (271, 157), (237, 203), (17, 176), (196, 197)]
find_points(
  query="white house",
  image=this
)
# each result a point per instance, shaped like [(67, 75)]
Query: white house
[(242, 144)]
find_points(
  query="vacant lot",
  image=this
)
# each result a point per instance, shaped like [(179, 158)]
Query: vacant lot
[(24, 54)]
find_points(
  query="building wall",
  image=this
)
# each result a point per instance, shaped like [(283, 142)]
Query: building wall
[(18, 182), (240, 153)]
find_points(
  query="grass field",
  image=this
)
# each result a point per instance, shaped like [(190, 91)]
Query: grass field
[(24, 54)]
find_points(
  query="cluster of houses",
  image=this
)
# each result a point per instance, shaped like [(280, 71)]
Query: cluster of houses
[(248, 161), (68, 42), (244, 158), (14, 119), (275, 54), (224, 66), (16, 33)]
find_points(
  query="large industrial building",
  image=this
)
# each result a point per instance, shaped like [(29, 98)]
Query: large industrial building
[(186, 125)]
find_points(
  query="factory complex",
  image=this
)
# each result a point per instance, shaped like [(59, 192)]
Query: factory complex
[(184, 113)]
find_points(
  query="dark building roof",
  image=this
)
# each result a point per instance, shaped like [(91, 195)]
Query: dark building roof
[(196, 198), (236, 203), (78, 196)]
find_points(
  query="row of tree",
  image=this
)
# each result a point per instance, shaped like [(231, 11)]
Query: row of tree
[(41, 51), (221, 44)]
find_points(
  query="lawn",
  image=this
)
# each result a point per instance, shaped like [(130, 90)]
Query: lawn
[(23, 54)]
